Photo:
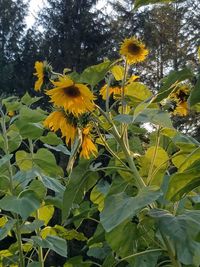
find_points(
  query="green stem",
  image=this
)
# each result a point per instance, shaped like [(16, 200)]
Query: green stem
[(40, 251), (6, 149)]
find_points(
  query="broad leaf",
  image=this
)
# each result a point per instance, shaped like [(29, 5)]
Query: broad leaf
[(195, 94), (170, 80), (23, 205), (54, 243), (120, 207), (95, 74)]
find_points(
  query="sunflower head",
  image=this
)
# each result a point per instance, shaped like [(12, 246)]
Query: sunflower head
[(133, 50), (88, 147), (181, 109), (39, 67), (58, 120), (74, 98)]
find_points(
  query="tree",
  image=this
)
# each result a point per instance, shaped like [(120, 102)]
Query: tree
[(74, 33), (12, 26)]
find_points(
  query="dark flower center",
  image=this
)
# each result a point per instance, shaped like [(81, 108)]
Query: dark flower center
[(133, 49), (72, 91)]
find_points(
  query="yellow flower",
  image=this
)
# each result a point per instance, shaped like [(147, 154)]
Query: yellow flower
[(11, 113), (133, 50), (115, 90), (39, 66), (88, 147), (181, 109), (58, 121), (74, 98)]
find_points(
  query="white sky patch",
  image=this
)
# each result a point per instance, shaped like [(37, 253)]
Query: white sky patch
[(34, 8), (36, 5)]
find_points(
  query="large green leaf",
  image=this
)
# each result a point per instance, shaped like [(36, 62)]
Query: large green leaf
[(182, 230), (54, 243), (195, 94), (182, 183), (121, 240), (29, 100), (154, 116), (6, 229), (47, 162), (139, 3), (95, 74), (23, 205), (170, 80), (79, 183), (77, 262), (53, 184), (120, 207)]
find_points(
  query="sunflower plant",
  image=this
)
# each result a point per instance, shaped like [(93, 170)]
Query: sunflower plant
[(101, 168)]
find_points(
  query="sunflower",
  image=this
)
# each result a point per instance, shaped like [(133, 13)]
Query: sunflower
[(39, 66), (115, 90), (74, 98), (133, 50), (181, 109), (57, 120), (88, 147)]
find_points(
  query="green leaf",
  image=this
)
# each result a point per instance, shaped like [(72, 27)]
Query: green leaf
[(69, 234), (29, 100), (45, 213), (28, 227), (120, 207), (38, 187), (95, 74), (170, 80), (23, 160), (77, 262), (53, 184), (29, 129), (47, 162), (5, 159), (98, 194), (138, 91), (54, 243), (59, 148), (34, 264), (75, 188), (121, 240), (182, 230), (139, 3), (194, 97), (51, 139), (182, 183), (154, 116), (6, 229), (23, 205), (31, 115)]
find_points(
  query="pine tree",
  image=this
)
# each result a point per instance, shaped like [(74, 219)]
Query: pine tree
[(12, 26), (74, 33)]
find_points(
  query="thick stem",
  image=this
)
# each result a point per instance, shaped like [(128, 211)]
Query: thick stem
[(39, 249)]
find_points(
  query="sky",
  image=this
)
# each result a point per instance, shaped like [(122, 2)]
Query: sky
[(36, 5)]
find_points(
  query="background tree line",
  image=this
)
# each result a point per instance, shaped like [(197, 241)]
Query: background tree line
[(75, 34)]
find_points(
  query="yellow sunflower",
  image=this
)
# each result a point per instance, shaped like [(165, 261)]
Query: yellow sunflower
[(58, 121), (88, 147), (115, 90), (74, 98), (39, 66), (181, 109), (133, 50)]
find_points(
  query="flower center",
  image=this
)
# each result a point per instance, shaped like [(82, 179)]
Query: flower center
[(72, 91), (133, 49)]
